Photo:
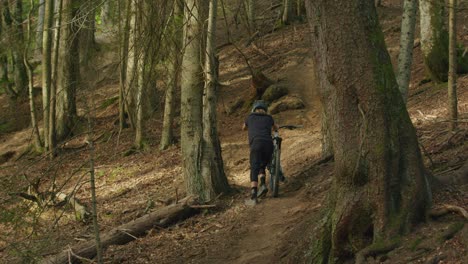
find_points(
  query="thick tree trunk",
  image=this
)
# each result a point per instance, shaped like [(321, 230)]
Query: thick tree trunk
[(167, 136), (68, 70), (452, 74), (380, 187), (327, 144), (434, 38), (212, 162), (105, 12), (405, 57), (125, 233), (191, 99), (46, 37), (40, 25), (87, 14)]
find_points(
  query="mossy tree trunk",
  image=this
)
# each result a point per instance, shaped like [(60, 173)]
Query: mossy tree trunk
[(212, 164), (21, 78), (251, 16), (167, 136), (67, 69), (380, 188), (405, 57), (40, 25), (434, 38)]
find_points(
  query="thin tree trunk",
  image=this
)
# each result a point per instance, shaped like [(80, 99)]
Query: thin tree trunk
[(97, 237), (405, 57), (123, 61), (29, 68), (140, 53), (174, 73), (40, 25), (375, 145), (452, 74), (132, 60), (105, 12), (212, 164), (68, 70), (47, 67), (287, 12), (251, 15), (53, 87)]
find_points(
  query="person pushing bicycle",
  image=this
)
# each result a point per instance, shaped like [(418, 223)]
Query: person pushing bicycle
[(259, 125)]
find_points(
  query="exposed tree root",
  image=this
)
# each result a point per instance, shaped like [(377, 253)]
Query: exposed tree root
[(446, 208), (375, 250), (125, 233)]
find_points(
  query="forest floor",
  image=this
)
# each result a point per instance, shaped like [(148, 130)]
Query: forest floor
[(277, 230)]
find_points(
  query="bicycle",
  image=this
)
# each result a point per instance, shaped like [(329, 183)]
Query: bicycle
[(276, 172)]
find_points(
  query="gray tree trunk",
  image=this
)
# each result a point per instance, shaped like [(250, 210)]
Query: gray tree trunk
[(46, 37), (376, 150), (68, 70), (140, 52), (174, 76), (434, 38), (40, 25), (405, 57), (212, 163), (452, 74)]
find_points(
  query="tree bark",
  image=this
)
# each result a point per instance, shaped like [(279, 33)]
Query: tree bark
[(452, 73), (287, 12), (125, 233), (21, 79), (434, 38), (40, 25), (53, 87), (46, 37), (68, 70), (30, 74), (132, 60), (405, 57), (87, 14), (123, 62), (167, 136), (251, 16), (380, 187), (212, 163), (105, 12), (191, 99)]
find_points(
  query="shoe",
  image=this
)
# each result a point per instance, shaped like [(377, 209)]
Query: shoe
[(250, 202), (262, 191)]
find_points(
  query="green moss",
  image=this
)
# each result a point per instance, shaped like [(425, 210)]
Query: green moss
[(109, 102), (6, 126), (416, 243)]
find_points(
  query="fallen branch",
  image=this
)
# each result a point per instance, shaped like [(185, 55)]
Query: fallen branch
[(446, 208), (259, 50), (127, 232)]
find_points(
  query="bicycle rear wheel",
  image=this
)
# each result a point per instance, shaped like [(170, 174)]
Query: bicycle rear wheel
[(276, 175)]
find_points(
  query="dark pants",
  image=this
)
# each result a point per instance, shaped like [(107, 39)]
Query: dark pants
[(260, 155)]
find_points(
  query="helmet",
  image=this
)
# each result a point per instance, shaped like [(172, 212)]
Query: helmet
[(259, 104)]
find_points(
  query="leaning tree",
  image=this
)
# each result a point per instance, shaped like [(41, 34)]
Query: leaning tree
[(380, 187)]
